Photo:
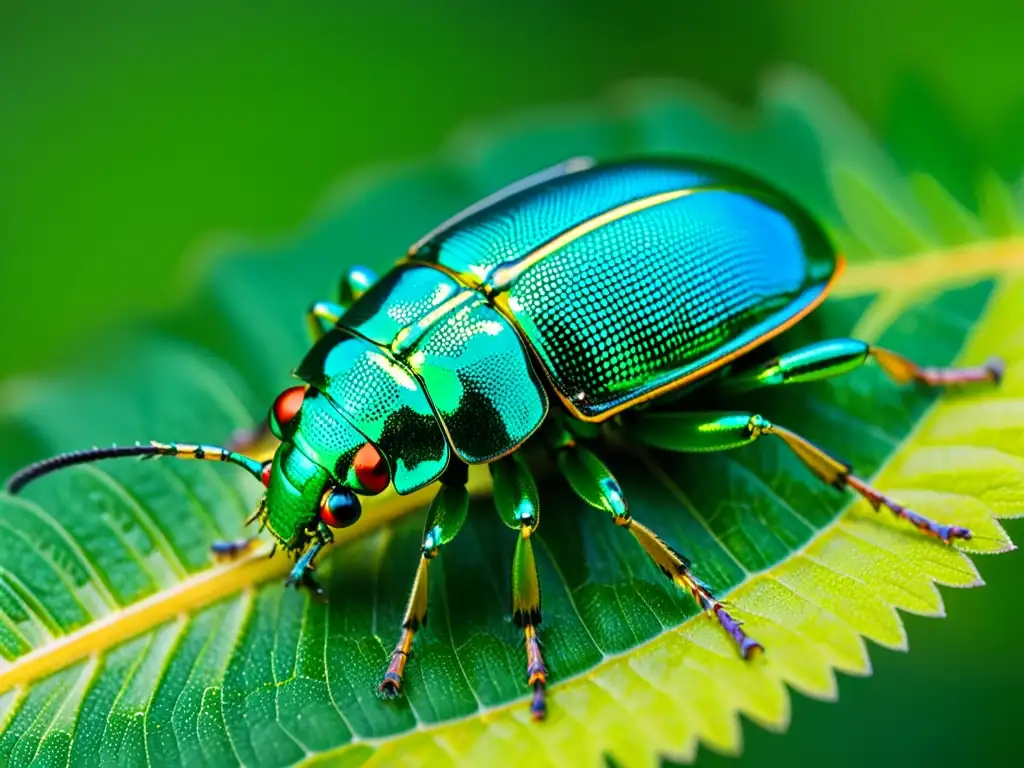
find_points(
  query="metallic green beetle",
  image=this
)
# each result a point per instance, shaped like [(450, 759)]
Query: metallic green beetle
[(558, 302)]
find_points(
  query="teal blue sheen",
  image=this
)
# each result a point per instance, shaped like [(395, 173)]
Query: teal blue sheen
[(612, 493), (480, 380), (655, 296), (438, 355), (384, 401), (328, 439), (513, 228), (402, 297), (471, 362), (822, 360)]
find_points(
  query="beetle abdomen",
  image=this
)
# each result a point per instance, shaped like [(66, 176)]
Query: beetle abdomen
[(513, 228), (661, 295), (628, 279)]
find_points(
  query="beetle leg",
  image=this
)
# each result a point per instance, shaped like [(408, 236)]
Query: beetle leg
[(324, 315), (526, 614), (445, 517), (517, 501), (835, 357), (321, 317), (903, 371), (301, 574), (696, 432), (595, 484), (354, 283), (225, 551)]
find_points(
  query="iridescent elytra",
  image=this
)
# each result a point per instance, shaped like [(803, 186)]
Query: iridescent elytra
[(552, 305)]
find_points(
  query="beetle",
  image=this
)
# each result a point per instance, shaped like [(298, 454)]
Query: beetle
[(585, 291)]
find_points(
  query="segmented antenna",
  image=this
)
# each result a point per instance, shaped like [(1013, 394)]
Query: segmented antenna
[(24, 476)]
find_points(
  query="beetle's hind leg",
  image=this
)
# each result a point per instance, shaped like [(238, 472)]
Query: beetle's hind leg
[(902, 370), (517, 501), (701, 432), (835, 357), (594, 483), (444, 520)]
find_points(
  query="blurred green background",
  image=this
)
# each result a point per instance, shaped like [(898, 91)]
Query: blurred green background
[(130, 132)]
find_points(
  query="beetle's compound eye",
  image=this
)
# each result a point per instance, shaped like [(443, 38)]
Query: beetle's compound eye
[(268, 466), (340, 508), (284, 410), (371, 470)]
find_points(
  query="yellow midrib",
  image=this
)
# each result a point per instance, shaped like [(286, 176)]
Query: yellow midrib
[(907, 276), (198, 591)]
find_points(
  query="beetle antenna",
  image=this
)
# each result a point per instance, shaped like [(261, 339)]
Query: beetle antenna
[(24, 476)]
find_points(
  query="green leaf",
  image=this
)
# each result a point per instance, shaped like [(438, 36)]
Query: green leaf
[(122, 643)]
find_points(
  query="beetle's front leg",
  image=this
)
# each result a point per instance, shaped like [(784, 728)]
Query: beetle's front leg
[(517, 501), (302, 572), (445, 517), (835, 357), (594, 483)]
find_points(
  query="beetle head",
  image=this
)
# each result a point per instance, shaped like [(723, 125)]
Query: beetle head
[(320, 466), (312, 480), (300, 496)]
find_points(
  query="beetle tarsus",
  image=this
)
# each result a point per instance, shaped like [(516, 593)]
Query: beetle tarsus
[(301, 575), (537, 674), (296, 576), (308, 582), (944, 533), (747, 645), (302, 578), (226, 551), (391, 685), (996, 368), (903, 370)]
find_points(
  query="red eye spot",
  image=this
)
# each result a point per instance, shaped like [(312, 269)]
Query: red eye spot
[(371, 469), (287, 406), (265, 474)]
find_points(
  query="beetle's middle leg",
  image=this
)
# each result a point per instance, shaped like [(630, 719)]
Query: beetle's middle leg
[(444, 520), (702, 432), (835, 357), (594, 483), (515, 496)]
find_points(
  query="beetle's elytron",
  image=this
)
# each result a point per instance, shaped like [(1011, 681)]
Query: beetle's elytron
[(560, 301)]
